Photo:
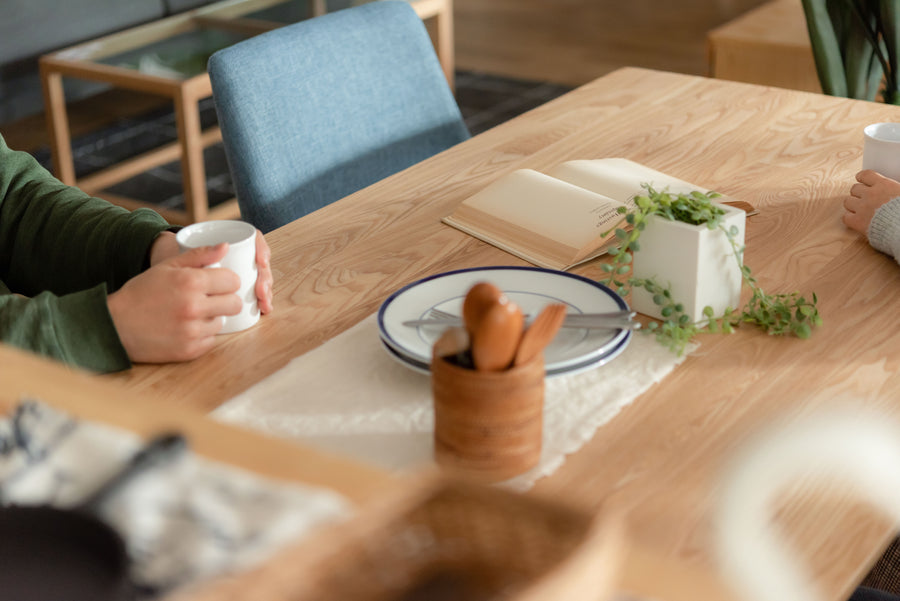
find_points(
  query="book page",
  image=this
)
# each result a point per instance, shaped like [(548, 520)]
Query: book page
[(619, 178), (539, 216)]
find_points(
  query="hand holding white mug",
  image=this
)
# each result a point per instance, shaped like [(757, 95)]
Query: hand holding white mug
[(241, 259), (172, 311), (166, 247)]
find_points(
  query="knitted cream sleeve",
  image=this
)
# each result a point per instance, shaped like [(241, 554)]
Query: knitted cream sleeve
[(884, 230)]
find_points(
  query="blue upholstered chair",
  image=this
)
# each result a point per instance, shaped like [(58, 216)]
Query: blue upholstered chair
[(317, 110)]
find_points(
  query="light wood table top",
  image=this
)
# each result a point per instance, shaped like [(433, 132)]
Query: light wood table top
[(792, 154), (25, 376)]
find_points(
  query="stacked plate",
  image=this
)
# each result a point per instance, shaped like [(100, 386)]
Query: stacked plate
[(573, 350)]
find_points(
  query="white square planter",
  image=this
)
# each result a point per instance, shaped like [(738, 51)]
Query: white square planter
[(696, 263)]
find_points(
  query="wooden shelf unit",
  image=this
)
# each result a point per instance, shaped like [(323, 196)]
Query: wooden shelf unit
[(768, 45)]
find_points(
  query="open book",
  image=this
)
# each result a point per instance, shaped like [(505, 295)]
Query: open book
[(563, 218)]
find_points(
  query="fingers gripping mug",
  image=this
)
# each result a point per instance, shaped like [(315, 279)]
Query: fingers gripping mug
[(241, 259)]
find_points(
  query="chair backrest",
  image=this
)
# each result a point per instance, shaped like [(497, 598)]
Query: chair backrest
[(317, 110)]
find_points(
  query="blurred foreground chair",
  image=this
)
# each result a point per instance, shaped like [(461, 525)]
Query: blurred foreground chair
[(856, 448), (315, 111)]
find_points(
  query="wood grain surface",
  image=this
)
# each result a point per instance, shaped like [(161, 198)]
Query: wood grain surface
[(791, 154), (25, 376)]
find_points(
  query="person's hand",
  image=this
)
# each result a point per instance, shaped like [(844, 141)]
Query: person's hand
[(866, 197), (165, 247), (171, 312), (264, 278)]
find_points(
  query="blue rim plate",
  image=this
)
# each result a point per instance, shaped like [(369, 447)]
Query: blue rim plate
[(425, 368), (530, 287)]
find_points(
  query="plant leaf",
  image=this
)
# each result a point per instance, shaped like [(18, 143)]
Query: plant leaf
[(826, 48)]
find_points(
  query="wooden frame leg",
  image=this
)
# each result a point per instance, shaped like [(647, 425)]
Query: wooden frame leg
[(438, 17), (58, 125), (193, 171), (445, 43)]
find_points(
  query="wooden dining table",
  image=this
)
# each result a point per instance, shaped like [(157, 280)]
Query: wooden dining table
[(793, 155)]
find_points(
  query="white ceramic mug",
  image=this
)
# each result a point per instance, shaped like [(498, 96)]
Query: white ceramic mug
[(241, 259), (859, 449), (881, 149)]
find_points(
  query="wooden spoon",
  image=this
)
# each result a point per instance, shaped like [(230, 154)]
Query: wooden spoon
[(479, 299), (539, 334), (497, 337)]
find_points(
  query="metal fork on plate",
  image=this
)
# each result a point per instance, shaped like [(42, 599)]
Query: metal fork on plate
[(609, 320)]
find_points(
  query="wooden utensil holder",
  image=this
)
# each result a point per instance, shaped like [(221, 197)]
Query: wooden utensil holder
[(488, 424)]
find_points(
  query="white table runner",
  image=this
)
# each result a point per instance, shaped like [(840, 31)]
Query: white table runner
[(350, 397)]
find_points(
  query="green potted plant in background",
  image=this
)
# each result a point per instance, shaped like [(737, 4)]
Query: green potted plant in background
[(856, 45)]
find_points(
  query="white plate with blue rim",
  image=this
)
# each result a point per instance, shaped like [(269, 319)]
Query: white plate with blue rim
[(425, 368), (532, 288)]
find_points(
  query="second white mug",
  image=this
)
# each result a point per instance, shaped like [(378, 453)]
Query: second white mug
[(881, 149)]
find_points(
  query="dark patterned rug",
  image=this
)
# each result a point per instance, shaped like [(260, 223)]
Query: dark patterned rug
[(485, 101)]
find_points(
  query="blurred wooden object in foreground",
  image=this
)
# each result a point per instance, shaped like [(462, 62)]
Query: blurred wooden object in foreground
[(85, 396), (440, 538)]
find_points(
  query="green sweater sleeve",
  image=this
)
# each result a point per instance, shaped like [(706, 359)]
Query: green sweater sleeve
[(65, 250), (75, 328)]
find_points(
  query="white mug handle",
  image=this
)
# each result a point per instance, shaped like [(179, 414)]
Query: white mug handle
[(861, 449)]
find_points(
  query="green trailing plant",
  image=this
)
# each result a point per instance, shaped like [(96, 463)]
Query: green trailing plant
[(777, 314), (856, 45)]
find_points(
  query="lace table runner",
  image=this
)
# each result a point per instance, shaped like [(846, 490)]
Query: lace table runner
[(350, 397)]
